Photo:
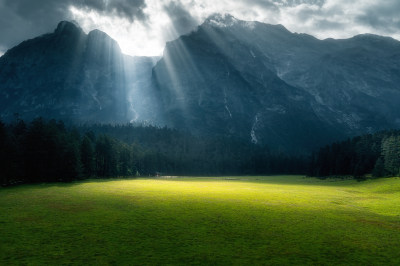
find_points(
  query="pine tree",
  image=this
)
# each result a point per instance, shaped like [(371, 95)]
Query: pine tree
[(87, 157), (125, 166), (391, 155), (379, 169), (106, 161)]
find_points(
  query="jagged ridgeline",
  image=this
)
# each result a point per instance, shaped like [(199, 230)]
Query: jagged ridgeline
[(229, 78)]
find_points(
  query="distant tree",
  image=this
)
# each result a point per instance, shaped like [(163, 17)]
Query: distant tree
[(19, 129), (106, 161), (37, 161), (125, 163), (70, 167), (379, 169), (4, 171), (391, 155), (87, 156)]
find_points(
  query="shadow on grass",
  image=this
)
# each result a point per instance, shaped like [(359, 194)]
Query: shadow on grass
[(64, 184)]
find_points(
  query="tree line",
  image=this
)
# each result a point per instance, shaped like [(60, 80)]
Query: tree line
[(50, 151), (377, 154)]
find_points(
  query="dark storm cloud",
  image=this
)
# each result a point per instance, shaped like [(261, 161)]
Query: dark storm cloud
[(130, 9), (181, 19), (277, 4), (267, 4), (23, 19), (95, 4), (324, 24), (299, 2), (384, 16)]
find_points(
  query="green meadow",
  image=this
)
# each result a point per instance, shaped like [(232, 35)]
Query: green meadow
[(205, 221)]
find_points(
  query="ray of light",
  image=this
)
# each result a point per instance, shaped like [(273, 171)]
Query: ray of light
[(321, 18)]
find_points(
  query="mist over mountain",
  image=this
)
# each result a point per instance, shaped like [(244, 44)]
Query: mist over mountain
[(229, 77)]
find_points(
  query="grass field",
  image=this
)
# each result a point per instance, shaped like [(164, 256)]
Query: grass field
[(209, 221)]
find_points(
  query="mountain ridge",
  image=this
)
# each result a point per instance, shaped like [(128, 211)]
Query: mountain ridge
[(66, 74), (229, 77), (345, 100)]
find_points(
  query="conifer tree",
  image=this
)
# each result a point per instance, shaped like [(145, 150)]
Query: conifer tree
[(87, 157)]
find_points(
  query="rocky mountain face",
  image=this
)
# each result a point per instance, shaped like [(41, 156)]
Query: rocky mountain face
[(66, 75), (229, 77), (270, 86), (142, 102)]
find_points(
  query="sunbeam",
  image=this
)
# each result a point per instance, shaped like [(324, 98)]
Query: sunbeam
[(142, 27)]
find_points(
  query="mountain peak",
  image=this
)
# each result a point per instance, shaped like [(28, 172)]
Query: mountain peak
[(227, 20), (68, 27), (97, 37), (221, 20), (98, 34), (372, 37)]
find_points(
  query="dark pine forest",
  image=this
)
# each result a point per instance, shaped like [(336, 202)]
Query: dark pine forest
[(372, 154), (50, 151)]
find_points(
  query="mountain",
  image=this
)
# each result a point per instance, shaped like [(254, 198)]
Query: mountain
[(270, 86), (67, 75), (248, 80), (141, 100)]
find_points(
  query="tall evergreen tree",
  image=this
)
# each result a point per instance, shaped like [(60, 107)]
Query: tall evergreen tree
[(391, 155), (106, 161), (126, 165), (87, 157)]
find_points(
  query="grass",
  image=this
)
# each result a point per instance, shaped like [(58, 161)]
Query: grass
[(206, 221)]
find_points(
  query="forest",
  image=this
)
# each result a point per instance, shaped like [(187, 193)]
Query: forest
[(51, 151), (376, 154)]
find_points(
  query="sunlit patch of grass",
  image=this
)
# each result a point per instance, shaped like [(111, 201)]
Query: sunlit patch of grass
[(220, 220)]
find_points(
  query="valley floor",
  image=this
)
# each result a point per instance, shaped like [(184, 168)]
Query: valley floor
[(218, 221)]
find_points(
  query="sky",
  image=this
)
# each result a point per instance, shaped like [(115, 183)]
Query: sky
[(142, 27)]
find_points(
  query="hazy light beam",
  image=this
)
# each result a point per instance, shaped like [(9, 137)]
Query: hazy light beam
[(320, 18)]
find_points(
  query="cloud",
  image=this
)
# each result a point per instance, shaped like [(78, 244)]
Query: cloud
[(143, 26), (24, 19), (21, 20), (382, 16), (343, 18), (181, 19), (266, 4), (130, 9)]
